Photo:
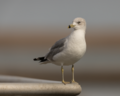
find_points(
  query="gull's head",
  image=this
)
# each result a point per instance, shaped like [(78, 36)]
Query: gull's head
[(78, 23)]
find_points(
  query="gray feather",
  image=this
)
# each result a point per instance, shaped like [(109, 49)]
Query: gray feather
[(56, 48)]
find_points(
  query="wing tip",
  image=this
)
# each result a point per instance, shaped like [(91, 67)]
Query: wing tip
[(35, 59)]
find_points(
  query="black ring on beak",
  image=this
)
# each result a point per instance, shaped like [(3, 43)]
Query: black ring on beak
[(69, 26)]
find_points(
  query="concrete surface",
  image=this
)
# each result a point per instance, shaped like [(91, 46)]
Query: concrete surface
[(43, 88)]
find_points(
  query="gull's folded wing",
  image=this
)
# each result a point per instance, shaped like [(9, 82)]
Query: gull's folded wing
[(56, 48)]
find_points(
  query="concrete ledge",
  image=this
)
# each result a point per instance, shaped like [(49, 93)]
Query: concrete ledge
[(17, 79), (21, 86), (39, 89)]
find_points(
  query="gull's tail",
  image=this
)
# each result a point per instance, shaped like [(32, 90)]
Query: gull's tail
[(41, 59)]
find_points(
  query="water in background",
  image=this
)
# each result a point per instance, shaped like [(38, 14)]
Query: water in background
[(100, 89)]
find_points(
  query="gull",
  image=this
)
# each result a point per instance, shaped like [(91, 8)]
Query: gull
[(69, 50)]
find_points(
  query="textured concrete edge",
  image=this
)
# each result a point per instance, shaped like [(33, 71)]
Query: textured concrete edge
[(18, 79), (39, 89)]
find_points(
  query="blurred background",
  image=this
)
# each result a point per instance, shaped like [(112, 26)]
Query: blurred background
[(28, 28)]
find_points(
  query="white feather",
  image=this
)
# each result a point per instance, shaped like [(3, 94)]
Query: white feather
[(74, 49)]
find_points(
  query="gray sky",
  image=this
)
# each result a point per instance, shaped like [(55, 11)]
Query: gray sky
[(59, 11)]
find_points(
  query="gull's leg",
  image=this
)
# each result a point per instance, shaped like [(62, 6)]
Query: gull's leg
[(62, 71), (73, 80)]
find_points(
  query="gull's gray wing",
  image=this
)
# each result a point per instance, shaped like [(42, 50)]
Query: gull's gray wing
[(56, 48)]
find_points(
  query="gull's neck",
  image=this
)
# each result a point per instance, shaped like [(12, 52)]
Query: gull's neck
[(79, 33), (76, 41), (77, 37)]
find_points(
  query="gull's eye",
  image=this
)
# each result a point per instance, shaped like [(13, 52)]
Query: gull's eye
[(78, 22)]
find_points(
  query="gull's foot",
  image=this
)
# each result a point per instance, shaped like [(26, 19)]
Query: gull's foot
[(73, 81), (65, 82)]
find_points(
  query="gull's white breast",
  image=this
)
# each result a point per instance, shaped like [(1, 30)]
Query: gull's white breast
[(74, 48)]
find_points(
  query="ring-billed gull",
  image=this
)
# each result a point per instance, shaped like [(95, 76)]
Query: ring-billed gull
[(69, 50)]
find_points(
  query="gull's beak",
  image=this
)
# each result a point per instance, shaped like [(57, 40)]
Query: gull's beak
[(71, 26)]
